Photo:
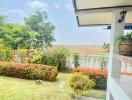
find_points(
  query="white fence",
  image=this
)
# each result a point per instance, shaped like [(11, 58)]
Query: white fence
[(93, 61)]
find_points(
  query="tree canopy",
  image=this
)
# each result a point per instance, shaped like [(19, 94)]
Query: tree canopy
[(36, 33), (38, 23)]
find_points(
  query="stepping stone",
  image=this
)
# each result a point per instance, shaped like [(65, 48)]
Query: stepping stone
[(62, 84)]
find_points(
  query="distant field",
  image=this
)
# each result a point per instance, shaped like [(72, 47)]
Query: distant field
[(85, 49)]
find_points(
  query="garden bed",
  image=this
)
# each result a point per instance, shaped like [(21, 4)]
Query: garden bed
[(99, 76)]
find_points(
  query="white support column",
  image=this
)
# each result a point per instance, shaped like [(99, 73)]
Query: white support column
[(109, 95), (114, 67), (117, 30)]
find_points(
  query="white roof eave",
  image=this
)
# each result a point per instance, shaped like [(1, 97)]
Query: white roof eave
[(87, 16)]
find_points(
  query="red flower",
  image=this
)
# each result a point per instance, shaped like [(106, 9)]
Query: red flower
[(90, 71), (97, 77)]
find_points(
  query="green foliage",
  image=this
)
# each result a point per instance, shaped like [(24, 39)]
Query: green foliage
[(36, 33), (56, 57), (38, 23), (28, 71), (37, 57), (103, 63), (14, 36), (60, 55), (5, 53), (128, 37), (98, 76), (76, 60), (25, 55), (101, 81), (80, 83)]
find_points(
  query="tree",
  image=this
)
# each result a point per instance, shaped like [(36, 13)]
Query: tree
[(38, 23), (32, 34), (14, 36)]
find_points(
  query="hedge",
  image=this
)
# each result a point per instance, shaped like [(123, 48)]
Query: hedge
[(28, 71)]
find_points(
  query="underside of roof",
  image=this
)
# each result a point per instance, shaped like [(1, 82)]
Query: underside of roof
[(99, 12)]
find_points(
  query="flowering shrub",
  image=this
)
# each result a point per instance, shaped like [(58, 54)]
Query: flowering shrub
[(80, 83), (28, 71), (90, 71), (99, 76)]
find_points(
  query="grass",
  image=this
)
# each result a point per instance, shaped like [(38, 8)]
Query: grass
[(98, 94), (20, 89)]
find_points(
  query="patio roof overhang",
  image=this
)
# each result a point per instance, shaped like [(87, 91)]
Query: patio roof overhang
[(101, 11)]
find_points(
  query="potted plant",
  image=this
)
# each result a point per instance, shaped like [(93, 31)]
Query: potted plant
[(80, 84), (125, 44)]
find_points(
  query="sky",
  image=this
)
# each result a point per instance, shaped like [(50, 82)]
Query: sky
[(61, 14)]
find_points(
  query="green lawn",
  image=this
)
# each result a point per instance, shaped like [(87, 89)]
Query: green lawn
[(20, 89)]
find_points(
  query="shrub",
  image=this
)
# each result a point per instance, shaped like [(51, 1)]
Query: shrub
[(25, 55), (56, 57), (80, 83), (5, 53), (99, 76), (28, 71), (100, 81), (76, 60)]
